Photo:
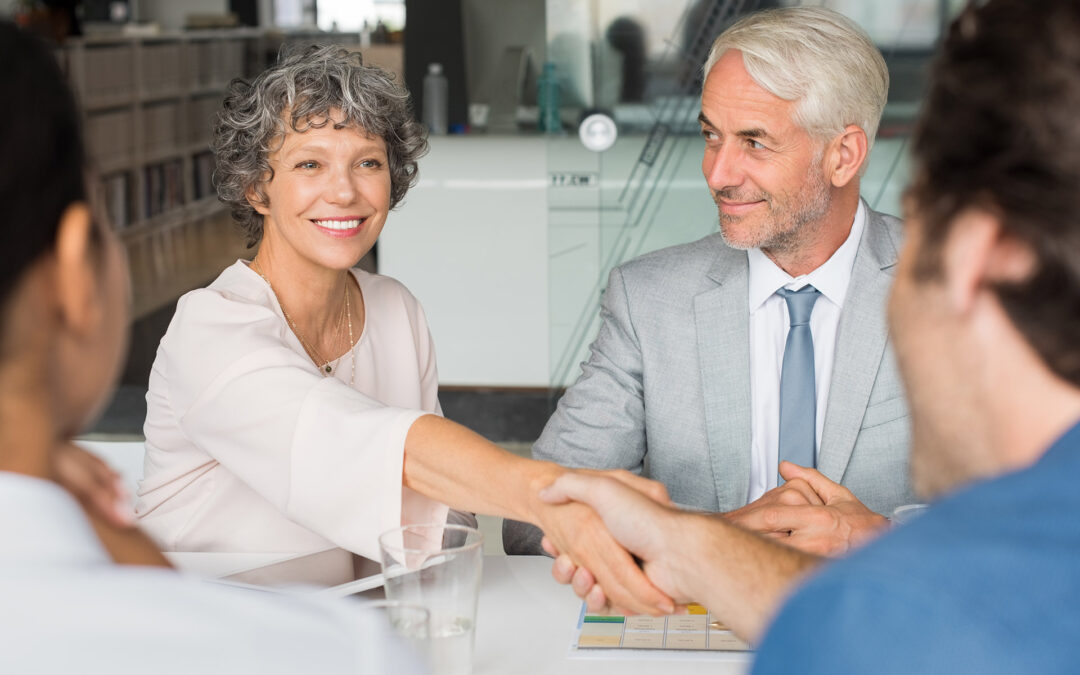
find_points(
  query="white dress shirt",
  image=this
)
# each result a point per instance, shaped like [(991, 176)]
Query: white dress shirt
[(68, 609), (769, 323), (249, 448)]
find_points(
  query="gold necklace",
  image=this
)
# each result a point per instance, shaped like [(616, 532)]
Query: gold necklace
[(346, 315), (352, 345), (313, 354)]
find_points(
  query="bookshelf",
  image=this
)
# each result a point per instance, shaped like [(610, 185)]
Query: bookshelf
[(147, 105)]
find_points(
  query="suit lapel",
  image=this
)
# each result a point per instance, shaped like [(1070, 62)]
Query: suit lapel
[(860, 344), (723, 339)]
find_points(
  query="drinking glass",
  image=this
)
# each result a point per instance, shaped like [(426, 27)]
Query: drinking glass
[(412, 623), (438, 567)]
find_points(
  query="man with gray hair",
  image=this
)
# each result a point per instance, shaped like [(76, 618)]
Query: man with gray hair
[(759, 354), (985, 314)]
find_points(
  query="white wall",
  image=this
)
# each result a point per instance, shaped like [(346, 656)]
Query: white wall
[(470, 242), (508, 268)]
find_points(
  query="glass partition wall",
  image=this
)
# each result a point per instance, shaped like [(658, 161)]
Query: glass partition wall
[(639, 63)]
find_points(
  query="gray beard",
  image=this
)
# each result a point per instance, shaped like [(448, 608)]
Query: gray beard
[(787, 230)]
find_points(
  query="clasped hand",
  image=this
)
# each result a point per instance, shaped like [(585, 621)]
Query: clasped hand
[(811, 513)]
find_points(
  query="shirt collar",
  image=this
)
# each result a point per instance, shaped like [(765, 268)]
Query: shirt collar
[(831, 278), (40, 523)]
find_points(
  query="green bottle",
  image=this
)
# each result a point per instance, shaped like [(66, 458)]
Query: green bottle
[(547, 98)]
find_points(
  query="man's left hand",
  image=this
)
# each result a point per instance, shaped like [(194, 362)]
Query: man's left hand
[(811, 513)]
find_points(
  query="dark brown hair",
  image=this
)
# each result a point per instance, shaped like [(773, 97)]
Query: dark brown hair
[(1000, 130), (41, 167)]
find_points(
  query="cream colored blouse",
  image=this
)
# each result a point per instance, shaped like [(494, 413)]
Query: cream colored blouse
[(249, 448)]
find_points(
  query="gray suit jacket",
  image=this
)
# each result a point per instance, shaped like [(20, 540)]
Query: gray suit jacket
[(666, 390)]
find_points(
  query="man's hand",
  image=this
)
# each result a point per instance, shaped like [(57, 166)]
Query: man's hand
[(740, 576), (96, 486), (576, 536), (567, 572), (640, 520), (811, 513)]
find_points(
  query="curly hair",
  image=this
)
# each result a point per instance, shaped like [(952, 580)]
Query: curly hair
[(305, 85)]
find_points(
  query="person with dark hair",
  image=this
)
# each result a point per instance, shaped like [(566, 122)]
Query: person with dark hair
[(63, 311), (985, 313), (293, 404)]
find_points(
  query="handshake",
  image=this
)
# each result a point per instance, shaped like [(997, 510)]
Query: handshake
[(623, 546), (617, 538)]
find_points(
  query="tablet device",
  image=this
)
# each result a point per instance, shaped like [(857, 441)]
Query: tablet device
[(334, 571)]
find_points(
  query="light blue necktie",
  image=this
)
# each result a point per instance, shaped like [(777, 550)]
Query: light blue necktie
[(798, 390)]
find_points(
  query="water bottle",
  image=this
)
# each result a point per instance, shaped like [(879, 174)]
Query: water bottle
[(436, 106), (547, 99)]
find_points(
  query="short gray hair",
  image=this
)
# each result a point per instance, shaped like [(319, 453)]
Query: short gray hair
[(817, 57), (306, 84)]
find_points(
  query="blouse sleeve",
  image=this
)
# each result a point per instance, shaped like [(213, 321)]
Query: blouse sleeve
[(328, 457), (429, 372)]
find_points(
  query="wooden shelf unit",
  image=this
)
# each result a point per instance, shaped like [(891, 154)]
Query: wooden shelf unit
[(147, 106)]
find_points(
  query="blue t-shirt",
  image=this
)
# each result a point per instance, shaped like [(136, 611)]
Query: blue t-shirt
[(986, 581)]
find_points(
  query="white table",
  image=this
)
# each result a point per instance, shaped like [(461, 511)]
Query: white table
[(524, 624), (526, 621)]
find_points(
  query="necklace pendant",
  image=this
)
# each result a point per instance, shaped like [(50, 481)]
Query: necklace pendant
[(327, 368)]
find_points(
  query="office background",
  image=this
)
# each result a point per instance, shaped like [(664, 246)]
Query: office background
[(508, 237)]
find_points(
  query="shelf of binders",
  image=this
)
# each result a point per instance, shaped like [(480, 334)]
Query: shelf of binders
[(148, 104), (96, 102), (179, 252), (210, 89), (202, 170), (109, 140), (115, 197), (163, 188), (208, 207), (163, 95)]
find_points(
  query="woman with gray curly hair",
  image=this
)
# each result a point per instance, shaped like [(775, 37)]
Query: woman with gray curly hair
[(293, 402)]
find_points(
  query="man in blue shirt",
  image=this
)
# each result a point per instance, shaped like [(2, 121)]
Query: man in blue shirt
[(985, 314)]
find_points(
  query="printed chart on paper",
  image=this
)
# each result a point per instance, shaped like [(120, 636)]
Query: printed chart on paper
[(694, 631)]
